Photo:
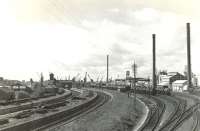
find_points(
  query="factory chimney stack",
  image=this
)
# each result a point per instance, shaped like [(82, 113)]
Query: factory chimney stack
[(189, 72), (154, 65)]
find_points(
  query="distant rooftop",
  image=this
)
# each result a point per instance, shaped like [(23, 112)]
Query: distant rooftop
[(172, 73), (179, 81)]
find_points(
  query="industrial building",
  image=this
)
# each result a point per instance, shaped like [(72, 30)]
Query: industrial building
[(167, 80)]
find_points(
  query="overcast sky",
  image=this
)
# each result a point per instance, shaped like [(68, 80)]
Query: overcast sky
[(74, 36)]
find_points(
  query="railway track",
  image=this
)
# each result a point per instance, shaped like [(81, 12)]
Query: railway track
[(184, 110), (185, 115), (181, 114), (31, 103), (62, 116), (37, 109), (179, 110), (196, 124), (101, 100), (156, 111), (196, 117)]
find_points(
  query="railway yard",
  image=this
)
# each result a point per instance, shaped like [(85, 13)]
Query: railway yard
[(97, 65), (89, 109)]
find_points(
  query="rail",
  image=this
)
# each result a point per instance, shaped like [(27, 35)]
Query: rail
[(60, 116)]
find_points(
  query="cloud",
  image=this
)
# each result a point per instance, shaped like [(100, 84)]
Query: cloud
[(63, 10), (67, 37)]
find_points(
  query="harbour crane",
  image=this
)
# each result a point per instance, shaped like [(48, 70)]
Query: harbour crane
[(101, 79), (75, 77), (85, 78), (41, 78), (98, 78), (90, 78)]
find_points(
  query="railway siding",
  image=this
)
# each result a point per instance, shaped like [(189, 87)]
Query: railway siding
[(179, 108), (181, 118), (190, 119), (40, 120), (28, 105), (157, 108), (171, 105)]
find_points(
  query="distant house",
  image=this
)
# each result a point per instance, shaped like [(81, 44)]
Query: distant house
[(179, 86)]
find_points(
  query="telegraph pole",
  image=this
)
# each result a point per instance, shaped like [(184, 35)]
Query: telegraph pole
[(41, 80), (149, 86), (134, 67), (154, 65), (189, 72)]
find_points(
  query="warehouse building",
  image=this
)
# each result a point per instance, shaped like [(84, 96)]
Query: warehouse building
[(179, 86)]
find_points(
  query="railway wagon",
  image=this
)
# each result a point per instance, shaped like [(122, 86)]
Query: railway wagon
[(139, 89), (146, 90)]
